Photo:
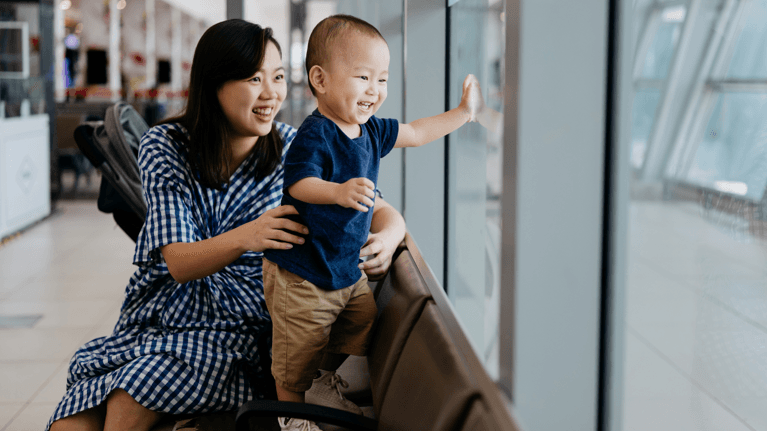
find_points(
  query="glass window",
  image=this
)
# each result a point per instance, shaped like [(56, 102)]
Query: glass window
[(695, 272), (658, 59), (749, 58), (654, 70), (643, 116), (474, 175), (733, 147)]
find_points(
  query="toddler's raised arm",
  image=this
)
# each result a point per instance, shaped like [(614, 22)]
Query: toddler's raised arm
[(425, 130)]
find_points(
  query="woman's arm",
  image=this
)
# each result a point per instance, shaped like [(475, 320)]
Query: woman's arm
[(195, 260), (387, 231)]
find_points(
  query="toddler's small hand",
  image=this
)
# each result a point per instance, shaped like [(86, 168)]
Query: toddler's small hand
[(472, 97), (357, 193)]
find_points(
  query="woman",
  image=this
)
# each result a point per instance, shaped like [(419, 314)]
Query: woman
[(192, 336)]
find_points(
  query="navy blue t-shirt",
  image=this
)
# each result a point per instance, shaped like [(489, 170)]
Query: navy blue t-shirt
[(330, 256)]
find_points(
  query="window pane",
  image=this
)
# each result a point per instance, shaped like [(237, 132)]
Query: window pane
[(694, 326), (749, 58), (643, 115), (474, 176), (733, 150), (658, 59)]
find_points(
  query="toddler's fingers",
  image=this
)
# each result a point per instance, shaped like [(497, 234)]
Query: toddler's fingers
[(366, 201), (470, 79), (368, 183), (474, 98)]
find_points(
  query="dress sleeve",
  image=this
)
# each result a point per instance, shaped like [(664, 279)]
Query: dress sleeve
[(164, 177)]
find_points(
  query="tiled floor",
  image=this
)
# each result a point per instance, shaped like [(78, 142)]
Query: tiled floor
[(72, 270), (696, 343), (697, 315)]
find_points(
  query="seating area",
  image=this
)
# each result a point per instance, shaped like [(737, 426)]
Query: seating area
[(423, 373)]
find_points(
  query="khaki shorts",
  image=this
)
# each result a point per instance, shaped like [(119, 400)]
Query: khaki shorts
[(308, 321)]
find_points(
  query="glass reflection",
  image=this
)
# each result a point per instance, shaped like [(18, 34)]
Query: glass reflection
[(696, 332), (474, 175)]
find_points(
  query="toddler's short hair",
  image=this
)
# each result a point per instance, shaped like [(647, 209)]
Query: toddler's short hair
[(325, 34)]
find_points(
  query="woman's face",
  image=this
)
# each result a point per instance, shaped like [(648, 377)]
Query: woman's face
[(251, 104)]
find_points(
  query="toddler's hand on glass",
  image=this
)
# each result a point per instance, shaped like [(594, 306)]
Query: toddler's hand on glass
[(357, 193), (471, 99)]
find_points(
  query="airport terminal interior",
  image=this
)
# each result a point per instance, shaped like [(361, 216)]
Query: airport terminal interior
[(600, 232)]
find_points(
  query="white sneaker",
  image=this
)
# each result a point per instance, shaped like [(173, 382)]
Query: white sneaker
[(293, 424), (326, 391)]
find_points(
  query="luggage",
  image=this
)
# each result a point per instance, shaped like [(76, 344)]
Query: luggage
[(112, 147)]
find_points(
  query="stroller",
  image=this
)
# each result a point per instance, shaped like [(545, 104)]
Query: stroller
[(111, 146)]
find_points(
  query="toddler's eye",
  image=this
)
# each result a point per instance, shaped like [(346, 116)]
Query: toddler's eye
[(364, 78)]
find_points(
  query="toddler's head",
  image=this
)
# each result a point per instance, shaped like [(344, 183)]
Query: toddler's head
[(347, 62)]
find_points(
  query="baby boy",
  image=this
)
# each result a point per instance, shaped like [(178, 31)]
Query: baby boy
[(321, 306)]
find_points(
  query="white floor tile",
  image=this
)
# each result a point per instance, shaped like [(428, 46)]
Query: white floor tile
[(34, 417), (22, 380), (7, 412), (54, 390), (40, 344), (62, 314), (752, 410), (658, 397), (696, 342)]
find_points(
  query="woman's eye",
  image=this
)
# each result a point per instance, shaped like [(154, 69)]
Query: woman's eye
[(279, 77), (256, 79)]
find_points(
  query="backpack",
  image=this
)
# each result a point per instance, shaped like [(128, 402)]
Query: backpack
[(112, 146)]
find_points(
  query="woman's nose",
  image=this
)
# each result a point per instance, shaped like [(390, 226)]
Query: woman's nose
[(269, 90)]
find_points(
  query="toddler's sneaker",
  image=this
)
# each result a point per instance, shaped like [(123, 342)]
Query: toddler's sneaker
[(326, 391), (293, 424)]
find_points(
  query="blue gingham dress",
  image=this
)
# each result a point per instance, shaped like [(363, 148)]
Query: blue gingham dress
[(191, 347)]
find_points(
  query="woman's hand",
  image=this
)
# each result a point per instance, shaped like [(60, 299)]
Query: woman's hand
[(380, 251), (387, 231), (273, 230), (195, 260)]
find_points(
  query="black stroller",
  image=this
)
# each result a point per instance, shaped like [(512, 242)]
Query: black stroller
[(111, 146)]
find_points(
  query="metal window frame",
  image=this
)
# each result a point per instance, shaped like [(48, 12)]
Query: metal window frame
[(705, 93)]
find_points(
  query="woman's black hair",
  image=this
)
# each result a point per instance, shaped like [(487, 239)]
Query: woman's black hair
[(227, 51)]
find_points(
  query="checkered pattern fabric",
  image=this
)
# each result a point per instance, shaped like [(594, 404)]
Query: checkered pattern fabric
[(191, 347)]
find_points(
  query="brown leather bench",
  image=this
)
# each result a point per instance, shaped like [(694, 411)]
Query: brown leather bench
[(423, 373)]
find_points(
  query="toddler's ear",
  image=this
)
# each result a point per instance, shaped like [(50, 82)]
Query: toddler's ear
[(317, 78)]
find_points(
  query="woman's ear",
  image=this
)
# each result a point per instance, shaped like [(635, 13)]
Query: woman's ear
[(317, 78)]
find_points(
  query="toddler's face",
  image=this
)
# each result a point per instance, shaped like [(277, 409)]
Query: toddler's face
[(356, 79)]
